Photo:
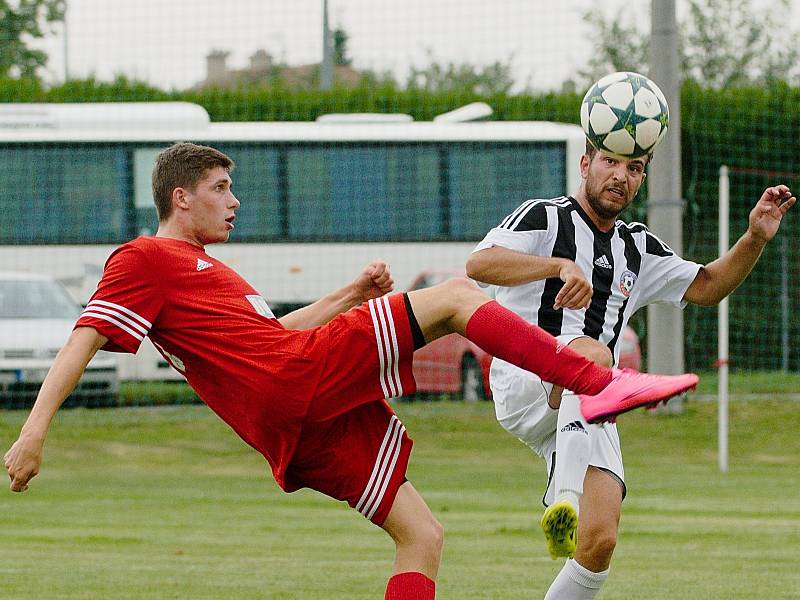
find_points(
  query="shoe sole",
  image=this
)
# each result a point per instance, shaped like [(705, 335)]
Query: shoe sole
[(611, 416), (560, 524)]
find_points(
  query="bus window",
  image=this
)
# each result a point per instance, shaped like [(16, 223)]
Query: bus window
[(487, 181), (363, 192), (143, 161), (256, 184), (64, 194)]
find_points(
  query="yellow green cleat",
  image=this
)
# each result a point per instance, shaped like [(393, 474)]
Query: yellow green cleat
[(560, 525)]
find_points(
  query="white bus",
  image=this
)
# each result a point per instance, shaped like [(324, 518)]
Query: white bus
[(319, 199)]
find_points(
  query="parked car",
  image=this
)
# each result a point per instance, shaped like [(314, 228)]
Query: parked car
[(452, 365), (630, 355), (37, 315)]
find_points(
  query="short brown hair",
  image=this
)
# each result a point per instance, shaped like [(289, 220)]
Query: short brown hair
[(591, 151), (183, 165)]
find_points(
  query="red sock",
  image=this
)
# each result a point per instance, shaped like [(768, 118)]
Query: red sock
[(410, 586), (509, 337)]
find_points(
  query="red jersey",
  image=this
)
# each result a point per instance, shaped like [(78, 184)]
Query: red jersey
[(216, 330)]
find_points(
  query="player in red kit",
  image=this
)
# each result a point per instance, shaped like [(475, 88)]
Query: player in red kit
[(309, 391)]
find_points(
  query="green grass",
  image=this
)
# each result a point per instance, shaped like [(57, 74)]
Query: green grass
[(752, 382), (156, 393), (168, 503), (160, 393)]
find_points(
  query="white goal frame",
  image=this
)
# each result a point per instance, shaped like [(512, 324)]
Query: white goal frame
[(722, 325)]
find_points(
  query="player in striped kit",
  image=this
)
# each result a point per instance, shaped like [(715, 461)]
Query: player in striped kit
[(569, 266), (309, 391)]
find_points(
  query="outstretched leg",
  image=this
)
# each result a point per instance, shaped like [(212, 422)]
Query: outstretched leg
[(457, 306)]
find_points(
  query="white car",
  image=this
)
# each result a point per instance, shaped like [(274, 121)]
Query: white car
[(36, 317)]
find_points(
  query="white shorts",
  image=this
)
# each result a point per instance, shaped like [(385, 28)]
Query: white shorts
[(520, 403)]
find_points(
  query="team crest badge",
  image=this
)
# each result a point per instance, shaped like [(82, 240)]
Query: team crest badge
[(626, 282)]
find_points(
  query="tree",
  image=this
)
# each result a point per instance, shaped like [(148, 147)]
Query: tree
[(492, 79), (723, 43), (340, 37), (761, 51), (619, 45), (19, 22)]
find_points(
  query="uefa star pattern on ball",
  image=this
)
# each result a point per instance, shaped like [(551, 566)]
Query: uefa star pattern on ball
[(624, 114)]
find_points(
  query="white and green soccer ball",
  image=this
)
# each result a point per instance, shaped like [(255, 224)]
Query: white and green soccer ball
[(625, 115)]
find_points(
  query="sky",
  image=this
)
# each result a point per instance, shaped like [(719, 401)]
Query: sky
[(165, 42)]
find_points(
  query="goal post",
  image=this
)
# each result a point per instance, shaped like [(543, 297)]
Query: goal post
[(722, 324)]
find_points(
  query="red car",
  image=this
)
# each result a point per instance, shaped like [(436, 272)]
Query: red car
[(453, 365)]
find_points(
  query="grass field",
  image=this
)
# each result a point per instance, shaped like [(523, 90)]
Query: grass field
[(168, 503)]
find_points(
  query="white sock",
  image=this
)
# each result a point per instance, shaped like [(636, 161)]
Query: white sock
[(575, 582), (573, 450)]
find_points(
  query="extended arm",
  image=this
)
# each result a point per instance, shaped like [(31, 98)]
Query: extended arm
[(374, 281), (501, 266), (24, 458), (719, 278)]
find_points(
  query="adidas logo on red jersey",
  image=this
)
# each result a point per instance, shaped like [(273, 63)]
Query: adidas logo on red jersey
[(202, 265)]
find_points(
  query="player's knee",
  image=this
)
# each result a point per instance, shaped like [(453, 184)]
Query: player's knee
[(429, 537), (603, 357), (426, 540), (593, 350), (461, 290), (438, 537), (433, 536), (599, 543), (424, 533)]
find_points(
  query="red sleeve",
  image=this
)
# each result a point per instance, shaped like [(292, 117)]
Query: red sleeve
[(127, 301)]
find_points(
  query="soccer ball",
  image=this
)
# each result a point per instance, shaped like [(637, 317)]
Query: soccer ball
[(625, 115)]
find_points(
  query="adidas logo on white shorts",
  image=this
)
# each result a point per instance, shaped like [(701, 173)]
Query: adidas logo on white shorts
[(574, 426)]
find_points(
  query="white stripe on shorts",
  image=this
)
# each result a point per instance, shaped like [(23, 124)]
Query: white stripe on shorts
[(382, 471), (395, 347), (388, 349), (381, 359)]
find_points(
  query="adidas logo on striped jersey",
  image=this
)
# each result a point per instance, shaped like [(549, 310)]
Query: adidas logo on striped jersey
[(603, 262), (202, 264)]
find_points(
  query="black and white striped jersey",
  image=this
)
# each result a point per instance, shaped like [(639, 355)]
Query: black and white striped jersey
[(629, 267)]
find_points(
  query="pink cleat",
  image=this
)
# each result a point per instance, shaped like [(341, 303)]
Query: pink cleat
[(630, 389)]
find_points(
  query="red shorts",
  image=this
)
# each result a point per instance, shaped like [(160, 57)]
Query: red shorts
[(352, 446)]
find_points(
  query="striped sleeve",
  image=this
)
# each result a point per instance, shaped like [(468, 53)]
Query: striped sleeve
[(126, 303), (523, 230)]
